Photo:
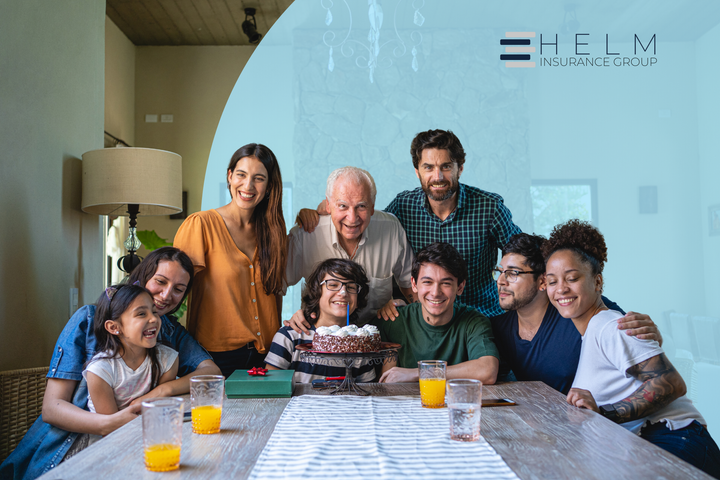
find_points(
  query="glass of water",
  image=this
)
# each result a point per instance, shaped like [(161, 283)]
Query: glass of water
[(464, 398)]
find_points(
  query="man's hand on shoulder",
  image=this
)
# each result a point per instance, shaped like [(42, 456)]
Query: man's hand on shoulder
[(308, 219), (389, 311), (399, 375), (298, 323), (641, 326)]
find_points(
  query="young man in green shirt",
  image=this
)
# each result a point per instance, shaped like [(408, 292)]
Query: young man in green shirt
[(437, 328)]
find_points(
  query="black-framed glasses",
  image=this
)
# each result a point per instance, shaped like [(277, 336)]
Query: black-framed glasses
[(511, 275), (335, 285)]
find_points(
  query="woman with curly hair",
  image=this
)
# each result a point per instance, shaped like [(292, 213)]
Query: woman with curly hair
[(239, 252), (334, 288), (628, 380)]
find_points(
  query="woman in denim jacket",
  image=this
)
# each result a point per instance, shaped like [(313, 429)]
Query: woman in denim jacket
[(167, 273)]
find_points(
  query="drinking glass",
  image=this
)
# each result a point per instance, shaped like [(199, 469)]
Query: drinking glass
[(464, 398), (432, 383), (206, 399), (162, 420)]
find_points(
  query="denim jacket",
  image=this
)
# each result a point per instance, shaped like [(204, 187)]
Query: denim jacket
[(44, 446)]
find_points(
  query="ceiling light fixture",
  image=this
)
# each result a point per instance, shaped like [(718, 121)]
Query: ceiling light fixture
[(570, 23), (249, 27)]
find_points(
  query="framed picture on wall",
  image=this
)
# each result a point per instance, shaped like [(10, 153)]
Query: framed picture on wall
[(714, 217)]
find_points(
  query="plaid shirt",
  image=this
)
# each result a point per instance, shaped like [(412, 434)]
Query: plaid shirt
[(478, 227)]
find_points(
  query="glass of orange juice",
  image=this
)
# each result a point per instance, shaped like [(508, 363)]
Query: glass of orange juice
[(162, 420), (206, 399), (432, 383)]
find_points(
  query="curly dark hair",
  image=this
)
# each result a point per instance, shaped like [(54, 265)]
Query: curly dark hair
[(340, 268), (443, 255), (530, 247), (582, 238), (440, 139)]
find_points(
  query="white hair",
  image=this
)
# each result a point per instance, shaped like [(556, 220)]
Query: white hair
[(358, 175)]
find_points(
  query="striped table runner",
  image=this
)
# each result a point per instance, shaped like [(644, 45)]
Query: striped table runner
[(371, 437)]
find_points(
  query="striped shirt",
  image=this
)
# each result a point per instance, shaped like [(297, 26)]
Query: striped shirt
[(283, 355), (477, 228)]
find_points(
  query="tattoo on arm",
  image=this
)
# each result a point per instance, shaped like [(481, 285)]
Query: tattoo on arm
[(661, 385)]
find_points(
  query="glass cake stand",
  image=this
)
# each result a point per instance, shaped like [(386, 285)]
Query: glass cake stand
[(386, 353)]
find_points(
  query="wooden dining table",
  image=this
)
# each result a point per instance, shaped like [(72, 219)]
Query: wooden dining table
[(539, 438)]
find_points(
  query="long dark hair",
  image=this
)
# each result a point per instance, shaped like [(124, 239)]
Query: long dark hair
[(146, 270), (268, 219), (110, 306), (341, 268)]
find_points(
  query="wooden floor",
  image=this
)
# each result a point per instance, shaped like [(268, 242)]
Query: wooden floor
[(541, 438)]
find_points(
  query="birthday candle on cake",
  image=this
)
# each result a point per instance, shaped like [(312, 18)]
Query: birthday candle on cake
[(348, 314)]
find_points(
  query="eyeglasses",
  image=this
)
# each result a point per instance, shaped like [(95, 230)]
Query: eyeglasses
[(511, 275), (335, 285)]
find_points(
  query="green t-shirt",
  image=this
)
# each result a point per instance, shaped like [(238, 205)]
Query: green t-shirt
[(468, 336)]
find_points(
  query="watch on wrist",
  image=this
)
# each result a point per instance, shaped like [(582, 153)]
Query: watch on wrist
[(608, 411)]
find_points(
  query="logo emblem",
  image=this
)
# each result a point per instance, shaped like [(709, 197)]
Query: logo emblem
[(518, 49)]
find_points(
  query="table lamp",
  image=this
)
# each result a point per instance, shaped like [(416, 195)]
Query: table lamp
[(131, 182)]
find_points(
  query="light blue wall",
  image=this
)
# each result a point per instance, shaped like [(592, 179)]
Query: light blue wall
[(708, 101), (625, 127)]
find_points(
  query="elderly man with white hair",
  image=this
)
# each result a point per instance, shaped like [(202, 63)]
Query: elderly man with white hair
[(354, 230)]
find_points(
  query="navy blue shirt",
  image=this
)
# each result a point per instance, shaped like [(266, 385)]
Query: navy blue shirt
[(552, 355)]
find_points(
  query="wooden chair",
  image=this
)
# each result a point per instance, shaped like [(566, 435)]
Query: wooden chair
[(21, 397)]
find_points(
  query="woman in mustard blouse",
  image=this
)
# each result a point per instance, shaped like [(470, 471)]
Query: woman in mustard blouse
[(239, 252)]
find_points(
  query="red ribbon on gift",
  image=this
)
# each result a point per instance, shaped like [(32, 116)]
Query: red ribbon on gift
[(257, 371)]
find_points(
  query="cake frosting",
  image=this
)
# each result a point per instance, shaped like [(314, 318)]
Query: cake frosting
[(347, 339)]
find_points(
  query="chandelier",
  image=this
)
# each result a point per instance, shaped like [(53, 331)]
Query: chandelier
[(370, 55)]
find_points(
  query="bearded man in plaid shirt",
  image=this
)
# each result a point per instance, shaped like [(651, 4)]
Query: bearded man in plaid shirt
[(477, 223)]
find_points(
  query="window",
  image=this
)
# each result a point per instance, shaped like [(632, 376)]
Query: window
[(557, 201)]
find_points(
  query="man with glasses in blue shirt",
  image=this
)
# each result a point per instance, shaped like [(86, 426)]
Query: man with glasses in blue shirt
[(534, 341)]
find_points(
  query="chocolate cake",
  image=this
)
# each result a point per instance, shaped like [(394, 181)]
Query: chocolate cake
[(348, 339)]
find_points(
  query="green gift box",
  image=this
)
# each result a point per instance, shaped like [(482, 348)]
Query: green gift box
[(275, 383)]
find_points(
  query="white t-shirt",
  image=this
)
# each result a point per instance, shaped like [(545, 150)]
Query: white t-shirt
[(128, 384), (605, 356)]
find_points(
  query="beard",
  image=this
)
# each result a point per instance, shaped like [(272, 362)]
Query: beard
[(518, 302), (452, 185)]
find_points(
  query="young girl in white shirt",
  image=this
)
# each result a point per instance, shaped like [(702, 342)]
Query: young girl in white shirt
[(130, 363)]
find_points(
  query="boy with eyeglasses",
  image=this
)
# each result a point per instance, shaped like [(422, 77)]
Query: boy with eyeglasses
[(334, 288), (535, 342)]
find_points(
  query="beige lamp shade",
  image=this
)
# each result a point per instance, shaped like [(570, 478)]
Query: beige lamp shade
[(114, 178)]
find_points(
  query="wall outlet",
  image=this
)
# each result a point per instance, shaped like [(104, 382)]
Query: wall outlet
[(73, 301), (167, 118), (150, 118)]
